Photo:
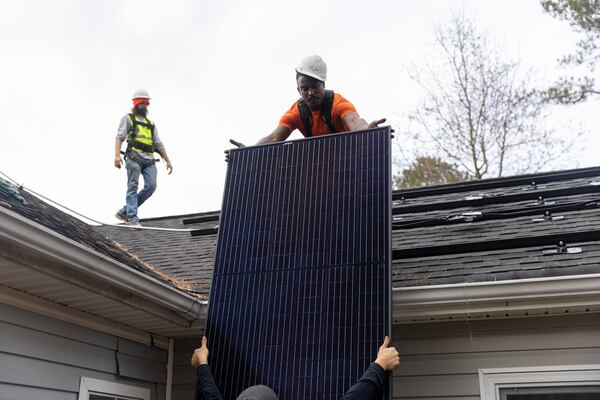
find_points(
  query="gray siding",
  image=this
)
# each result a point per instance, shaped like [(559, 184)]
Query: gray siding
[(441, 360), (184, 376), (44, 358)]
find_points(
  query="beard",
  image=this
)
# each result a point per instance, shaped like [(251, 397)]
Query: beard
[(139, 111)]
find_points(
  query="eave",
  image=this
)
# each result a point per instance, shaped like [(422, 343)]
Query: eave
[(501, 299)]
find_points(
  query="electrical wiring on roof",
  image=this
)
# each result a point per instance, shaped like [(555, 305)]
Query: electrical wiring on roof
[(475, 216), (21, 187)]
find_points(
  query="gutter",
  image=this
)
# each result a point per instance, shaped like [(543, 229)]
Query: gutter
[(41, 240), (524, 297)]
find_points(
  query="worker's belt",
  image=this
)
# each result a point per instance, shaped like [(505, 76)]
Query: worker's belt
[(146, 148)]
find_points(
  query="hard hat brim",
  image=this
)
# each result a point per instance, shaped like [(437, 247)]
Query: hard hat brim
[(312, 75)]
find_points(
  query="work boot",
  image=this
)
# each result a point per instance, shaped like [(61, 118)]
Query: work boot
[(121, 215), (133, 222)]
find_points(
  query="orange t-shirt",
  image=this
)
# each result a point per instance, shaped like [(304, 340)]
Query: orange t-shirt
[(340, 107)]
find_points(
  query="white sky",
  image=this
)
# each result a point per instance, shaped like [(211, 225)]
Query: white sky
[(217, 70)]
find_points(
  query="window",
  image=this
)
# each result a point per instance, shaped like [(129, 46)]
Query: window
[(551, 393), (96, 389), (570, 382)]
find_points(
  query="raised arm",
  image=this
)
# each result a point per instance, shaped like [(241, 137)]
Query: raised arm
[(372, 381), (354, 122), (206, 388), (278, 135)]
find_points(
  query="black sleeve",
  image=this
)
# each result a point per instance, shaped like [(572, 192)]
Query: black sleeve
[(367, 387), (206, 388)]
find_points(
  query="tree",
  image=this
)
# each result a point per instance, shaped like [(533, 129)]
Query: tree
[(428, 170), (476, 111), (584, 18)]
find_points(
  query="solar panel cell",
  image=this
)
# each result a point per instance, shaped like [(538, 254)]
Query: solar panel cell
[(300, 300)]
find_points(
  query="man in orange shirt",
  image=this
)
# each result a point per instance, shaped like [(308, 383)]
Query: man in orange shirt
[(318, 111)]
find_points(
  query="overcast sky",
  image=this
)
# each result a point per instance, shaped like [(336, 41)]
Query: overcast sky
[(217, 70)]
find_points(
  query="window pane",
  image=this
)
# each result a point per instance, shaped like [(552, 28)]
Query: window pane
[(102, 397), (551, 393)]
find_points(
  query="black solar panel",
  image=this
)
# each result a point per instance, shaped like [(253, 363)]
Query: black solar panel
[(301, 290)]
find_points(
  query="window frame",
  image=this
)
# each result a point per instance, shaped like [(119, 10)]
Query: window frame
[(491, 380), (89, 386)]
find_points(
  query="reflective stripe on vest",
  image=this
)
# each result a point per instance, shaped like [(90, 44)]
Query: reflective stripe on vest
[(143, 135)]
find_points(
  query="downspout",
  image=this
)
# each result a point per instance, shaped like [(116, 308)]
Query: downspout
[(169, 384)]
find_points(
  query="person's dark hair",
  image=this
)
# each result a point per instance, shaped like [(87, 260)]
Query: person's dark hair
[(258, 392)]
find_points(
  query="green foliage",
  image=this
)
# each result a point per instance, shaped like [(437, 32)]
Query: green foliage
[(584, 18), (428, 171)]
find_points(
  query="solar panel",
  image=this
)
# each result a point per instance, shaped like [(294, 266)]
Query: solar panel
[(301, 291)]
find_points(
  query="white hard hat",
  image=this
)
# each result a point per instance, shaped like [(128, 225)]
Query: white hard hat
[(140, 94), (313, 66)]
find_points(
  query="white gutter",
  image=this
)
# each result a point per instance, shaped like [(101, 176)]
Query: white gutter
[(471, 299), (39, 239)]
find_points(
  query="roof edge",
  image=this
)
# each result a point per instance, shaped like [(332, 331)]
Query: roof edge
[(523, 297), (20, 230)]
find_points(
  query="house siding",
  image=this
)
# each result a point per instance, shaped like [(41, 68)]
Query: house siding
[(441, 360), (184, 376), (44, 358)]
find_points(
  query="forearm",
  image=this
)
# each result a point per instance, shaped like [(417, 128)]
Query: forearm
[(267, 139), (118, 144), (368, 385), (164, 155), (354, 122), (278, 135), (206, 388)]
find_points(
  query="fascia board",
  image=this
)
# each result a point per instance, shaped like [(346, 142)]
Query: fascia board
[(28, 234), (525, 294)]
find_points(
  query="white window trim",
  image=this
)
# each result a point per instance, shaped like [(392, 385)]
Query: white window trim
[(89, 386), (491, 380)]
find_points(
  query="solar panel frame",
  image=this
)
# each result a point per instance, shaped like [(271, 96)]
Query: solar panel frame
[(233, 252)]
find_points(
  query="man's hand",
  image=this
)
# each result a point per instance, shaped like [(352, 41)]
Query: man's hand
[(387, 357), (235, 143), (118, 161), (200, 355), (376, 123), (169, 167)]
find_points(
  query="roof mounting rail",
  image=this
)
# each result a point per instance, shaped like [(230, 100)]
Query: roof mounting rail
[(508, 198), (534, 186), (548, 217), (494, 245), (542, 202), (399, 223), (401, 200), (561, 248), (480, 196), (205, 232), (205, 218), (471, 216)]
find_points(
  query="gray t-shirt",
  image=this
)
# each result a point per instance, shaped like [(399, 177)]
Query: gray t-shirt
[(125, 126)]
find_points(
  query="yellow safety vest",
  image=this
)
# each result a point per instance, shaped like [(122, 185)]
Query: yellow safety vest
[(140, 137)]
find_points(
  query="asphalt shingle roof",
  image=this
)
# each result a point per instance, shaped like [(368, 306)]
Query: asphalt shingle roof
[(34, 209), (485, 250)]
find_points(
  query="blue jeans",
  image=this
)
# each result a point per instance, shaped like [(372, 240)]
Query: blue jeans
[(133, 199)]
